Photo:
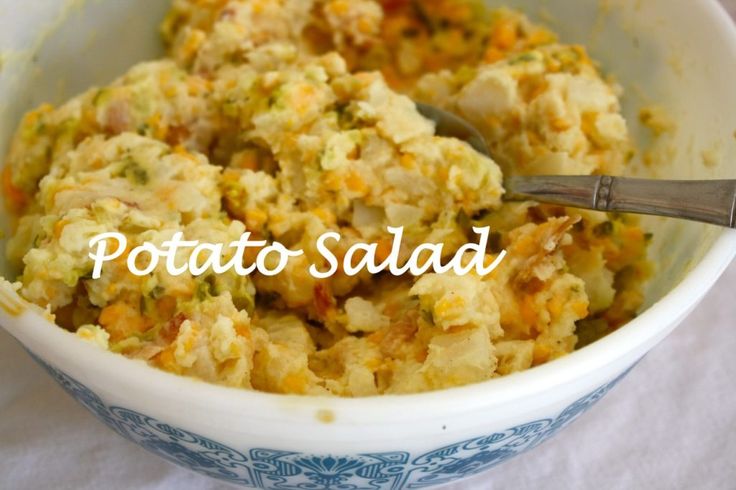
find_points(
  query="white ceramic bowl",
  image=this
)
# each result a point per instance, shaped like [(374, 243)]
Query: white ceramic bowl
[(679, 53)]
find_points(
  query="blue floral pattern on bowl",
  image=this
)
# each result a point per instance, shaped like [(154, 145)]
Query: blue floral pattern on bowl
[(282, 470)]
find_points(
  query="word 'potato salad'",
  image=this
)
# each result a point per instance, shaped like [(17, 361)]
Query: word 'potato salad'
[(291, 120), (206, 257)]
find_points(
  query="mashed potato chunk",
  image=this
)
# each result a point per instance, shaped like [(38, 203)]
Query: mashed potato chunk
[(288, 119)]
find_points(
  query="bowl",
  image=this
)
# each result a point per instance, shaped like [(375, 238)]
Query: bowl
[(676, 53)]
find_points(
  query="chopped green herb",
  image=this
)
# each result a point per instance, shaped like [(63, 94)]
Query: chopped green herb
[(134, 173), (427, 316), (157, 292), (203, 291), (523, 58)]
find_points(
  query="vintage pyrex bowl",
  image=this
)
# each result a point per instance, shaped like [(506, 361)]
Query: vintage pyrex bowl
[(678, 53)]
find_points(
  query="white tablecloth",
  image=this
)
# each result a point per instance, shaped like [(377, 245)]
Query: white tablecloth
[(671, 424)]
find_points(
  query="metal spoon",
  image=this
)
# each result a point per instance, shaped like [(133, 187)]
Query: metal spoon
[(707, 201)]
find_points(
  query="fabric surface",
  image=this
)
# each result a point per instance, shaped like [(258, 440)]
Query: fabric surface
[(668, 425)]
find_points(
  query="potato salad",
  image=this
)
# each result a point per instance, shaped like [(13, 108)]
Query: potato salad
[(289, 119)]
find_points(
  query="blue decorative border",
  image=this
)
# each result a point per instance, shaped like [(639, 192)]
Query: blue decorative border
[(282, 470)]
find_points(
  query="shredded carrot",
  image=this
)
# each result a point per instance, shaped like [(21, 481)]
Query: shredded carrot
[(325, 215), (33, 116), (332, 180), (384, 249), (339, 7), (356, 184), (581, 309), (555, 307), (122, 320), (59, 228), (255, 218), (540, 37), (16, 199), (247, 159), (294, 383), (528, 311), (504, 36), (560, 124), (243, 330), (166, 306), (167, 360), (493, 54), (541, 354), (408, 161)]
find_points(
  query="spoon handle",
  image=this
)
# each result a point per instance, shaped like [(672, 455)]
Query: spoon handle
[(707, 201)]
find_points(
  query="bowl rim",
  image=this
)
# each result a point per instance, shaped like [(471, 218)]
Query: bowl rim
[(66, 350)]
